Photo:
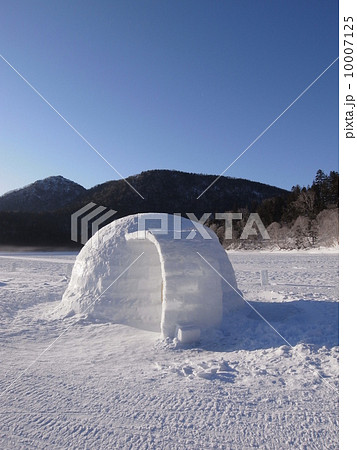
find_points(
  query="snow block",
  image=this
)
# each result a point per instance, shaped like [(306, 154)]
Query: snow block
[(188, 334)]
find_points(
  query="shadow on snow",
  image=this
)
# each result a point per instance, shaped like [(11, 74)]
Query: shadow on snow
[(299, 322)]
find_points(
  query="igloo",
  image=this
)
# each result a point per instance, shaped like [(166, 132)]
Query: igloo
[(153, 271)]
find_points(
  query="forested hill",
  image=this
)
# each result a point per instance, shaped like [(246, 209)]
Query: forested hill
[(173, 191), (48, 194)]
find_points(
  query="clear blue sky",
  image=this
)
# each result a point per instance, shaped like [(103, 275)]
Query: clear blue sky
[(179, 84)]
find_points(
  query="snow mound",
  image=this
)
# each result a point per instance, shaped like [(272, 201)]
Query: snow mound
[(153, 279)]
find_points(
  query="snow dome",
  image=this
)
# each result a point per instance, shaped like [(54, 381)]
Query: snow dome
[(146, 271)]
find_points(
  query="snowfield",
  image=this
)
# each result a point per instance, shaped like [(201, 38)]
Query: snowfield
[(267, 379)]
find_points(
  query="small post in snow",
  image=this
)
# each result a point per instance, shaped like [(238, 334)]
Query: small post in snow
[(264, 281)]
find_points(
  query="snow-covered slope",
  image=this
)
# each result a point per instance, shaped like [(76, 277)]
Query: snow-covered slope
[(78, 384)]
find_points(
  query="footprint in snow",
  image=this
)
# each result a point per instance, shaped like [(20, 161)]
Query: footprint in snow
[(211, 370)]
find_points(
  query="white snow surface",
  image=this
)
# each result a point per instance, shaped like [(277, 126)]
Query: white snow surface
[(75, 383), (150, 279)]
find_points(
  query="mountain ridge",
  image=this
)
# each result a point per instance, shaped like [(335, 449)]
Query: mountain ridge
[(162, 189)]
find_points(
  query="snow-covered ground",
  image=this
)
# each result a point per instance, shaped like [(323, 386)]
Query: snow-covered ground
[(101, 385)]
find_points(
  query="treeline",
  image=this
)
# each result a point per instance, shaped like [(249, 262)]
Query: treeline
[(306, 217), (303, 201), (37, 229)]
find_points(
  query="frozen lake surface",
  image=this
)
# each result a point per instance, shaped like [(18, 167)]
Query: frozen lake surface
[(268, 379)]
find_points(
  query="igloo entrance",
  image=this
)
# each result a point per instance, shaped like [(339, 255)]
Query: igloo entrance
[(142, 287)]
